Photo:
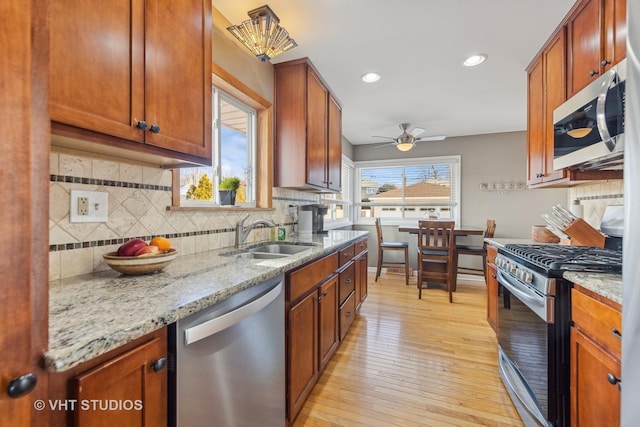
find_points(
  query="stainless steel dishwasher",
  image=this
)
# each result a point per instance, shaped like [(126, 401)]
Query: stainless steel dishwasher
[(229, 365)]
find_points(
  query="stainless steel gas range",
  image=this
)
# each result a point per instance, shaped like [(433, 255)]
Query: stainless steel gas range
[(534, 324)]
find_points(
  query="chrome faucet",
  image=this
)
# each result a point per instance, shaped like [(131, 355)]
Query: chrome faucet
[(242, 232)]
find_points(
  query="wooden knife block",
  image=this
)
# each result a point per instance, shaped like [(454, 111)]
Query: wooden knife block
[(582, 234)]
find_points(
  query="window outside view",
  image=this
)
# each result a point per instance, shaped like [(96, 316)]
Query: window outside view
[(407, 191), (233, 158)]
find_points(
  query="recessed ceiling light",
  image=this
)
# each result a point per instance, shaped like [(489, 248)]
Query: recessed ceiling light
[(474, 60), (370, 77)]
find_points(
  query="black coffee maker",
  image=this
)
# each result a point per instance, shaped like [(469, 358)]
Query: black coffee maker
[(317, 215)]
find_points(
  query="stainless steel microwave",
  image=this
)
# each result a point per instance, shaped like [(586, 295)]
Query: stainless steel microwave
[(589, 126)]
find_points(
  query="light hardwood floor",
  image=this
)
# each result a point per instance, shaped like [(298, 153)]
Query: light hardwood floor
[(411, 362)]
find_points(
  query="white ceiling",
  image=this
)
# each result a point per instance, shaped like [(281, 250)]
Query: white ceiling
[(418, 47)]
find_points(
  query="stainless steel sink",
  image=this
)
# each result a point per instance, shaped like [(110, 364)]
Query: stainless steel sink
[(258, 255), (279, 248), (271, 251)]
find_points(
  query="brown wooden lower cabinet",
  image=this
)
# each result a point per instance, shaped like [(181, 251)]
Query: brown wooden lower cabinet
[(595, 361), (125, 387), (492, 287), (321, 306)]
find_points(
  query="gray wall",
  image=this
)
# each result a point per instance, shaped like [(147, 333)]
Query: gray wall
[(484, 158)]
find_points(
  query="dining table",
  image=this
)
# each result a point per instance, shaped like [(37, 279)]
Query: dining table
[(458, 230)]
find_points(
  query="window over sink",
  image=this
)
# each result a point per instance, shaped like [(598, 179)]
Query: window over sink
[(234, 148)]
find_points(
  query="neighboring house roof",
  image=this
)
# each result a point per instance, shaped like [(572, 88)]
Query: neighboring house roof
[(420, 189)]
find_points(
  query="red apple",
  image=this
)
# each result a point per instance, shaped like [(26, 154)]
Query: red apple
[(130, 247)]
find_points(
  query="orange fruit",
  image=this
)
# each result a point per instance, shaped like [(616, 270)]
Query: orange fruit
[(162, 243)]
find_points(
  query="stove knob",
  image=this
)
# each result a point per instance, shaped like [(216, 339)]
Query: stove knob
[(528, 277), (512, 268)]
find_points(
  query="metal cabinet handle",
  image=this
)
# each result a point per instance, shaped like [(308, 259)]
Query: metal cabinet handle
[(605, 62), (155, 128), (159, 364), (324, 294), (613, 380), (348, 280), (22, 385), (593, 73), (141, 124), (494, 276), (349, 314), (616, 333)]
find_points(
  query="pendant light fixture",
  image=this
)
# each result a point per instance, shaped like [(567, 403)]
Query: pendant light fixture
[(262, 34)]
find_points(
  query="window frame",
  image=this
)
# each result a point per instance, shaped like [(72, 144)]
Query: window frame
[(455, 161), (263, 187), (347, 199)]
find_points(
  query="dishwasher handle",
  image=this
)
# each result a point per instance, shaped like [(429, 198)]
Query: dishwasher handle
[(213, 326)]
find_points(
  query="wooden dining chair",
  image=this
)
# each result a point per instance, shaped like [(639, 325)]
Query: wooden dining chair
[(436, 254), (477, 251), (391, 246)]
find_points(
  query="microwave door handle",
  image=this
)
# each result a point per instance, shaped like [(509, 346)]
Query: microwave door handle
[(601, 119)]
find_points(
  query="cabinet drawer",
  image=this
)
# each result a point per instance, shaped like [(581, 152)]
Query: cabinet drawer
[(347, 282), (346, 254), (492, 252), (347, 315), (597, 320), (360, 246), (306, 278)]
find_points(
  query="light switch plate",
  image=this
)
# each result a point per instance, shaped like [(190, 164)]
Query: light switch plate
[(96, 202)]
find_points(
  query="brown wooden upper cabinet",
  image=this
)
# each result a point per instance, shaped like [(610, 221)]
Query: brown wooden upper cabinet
[(546, 91), (597, 33), (592, 31), (308, 126), (136, 74)]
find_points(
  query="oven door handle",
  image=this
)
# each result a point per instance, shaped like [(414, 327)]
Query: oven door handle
[(524, 296), (510, 374)]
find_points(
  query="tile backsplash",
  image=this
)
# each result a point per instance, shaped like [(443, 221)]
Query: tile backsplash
[(596, 197), (138, 199)]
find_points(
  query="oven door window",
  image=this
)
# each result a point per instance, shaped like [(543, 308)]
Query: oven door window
[(523, 337)]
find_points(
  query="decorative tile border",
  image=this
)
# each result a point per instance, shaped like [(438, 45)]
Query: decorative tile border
[(601, 197), (119, 241), (107, 182)]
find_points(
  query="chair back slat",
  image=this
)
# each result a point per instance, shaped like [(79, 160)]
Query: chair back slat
[(435, 235), (379, 231), (490, 229)]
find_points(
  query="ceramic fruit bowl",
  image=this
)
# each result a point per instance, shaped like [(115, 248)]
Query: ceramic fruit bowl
[(143, 264)]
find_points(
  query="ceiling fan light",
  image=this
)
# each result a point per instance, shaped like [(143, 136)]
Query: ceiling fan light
[(474, 60), (404, 146), (370, 77)]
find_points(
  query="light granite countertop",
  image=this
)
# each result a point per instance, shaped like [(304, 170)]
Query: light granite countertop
[(92, 314), (606, 285)]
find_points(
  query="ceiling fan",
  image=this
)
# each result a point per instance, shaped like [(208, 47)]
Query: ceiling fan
[(407, 140)]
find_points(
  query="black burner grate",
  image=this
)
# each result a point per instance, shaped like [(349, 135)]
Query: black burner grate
[(568, 258)]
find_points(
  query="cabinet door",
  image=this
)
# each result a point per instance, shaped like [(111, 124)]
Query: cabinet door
[(555, 77), (328, 321), (97, 65), (178, 75), (302, 352), (615, 27), (492, 297), (334, 155), (535, 123), (585, 45), (363, 279), (125, 391), (317, 98), (594, 401)]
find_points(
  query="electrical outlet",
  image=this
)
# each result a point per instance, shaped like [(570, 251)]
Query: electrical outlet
[(88, 206), (83, 206)]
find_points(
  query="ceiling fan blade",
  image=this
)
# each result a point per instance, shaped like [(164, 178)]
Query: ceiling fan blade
[(416, 131), (386, 137), (385, 145), (431, 138)]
